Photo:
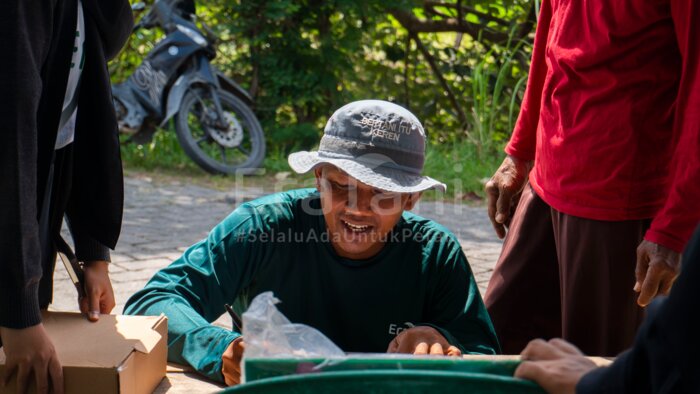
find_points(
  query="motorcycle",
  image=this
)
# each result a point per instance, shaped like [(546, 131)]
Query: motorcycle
[(213, 119)]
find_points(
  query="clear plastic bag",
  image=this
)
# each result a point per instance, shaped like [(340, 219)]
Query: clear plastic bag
[(268, 333)]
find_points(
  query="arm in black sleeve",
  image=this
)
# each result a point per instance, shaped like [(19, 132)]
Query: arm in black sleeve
[(25, 28), (87, 248), (665, 353)]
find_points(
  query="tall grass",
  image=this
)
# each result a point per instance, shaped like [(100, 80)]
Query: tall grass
[(462, 168), (495, 99)]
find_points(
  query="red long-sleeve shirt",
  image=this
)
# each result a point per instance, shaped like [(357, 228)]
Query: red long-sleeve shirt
[(611, 113)]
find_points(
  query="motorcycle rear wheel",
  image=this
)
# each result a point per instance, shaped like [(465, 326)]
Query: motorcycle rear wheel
[(240, 149)]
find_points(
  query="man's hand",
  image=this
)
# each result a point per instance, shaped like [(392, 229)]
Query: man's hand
[(502, 191), (422, 340), (99, 296), (231, 362), (29, 352), (556, 365), (657, 269)]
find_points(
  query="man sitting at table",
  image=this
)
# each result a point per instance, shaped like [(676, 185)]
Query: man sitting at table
[(344, 258)]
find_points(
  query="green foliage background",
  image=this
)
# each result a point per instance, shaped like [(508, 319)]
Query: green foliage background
[(302, 59)]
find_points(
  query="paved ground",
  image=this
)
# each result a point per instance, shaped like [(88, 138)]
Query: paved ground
[(162, 219)]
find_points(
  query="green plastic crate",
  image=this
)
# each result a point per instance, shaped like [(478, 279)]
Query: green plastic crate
[(387, 381), (382, 374)]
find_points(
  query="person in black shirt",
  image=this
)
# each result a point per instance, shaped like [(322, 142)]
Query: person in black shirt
[(59, 155)]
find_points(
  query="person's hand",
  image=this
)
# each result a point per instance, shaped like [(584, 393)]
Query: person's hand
[(556, 365), (29, 352), (503, 190), (231, 362), (99, 296), (657, 269), (422, 340)]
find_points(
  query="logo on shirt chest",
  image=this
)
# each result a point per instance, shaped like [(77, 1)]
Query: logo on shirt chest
[(395, 329)]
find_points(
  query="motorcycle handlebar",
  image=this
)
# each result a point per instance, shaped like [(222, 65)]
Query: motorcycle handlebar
[(160, 14)]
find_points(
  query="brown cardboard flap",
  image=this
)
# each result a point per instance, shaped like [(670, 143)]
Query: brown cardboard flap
[(134, 331)]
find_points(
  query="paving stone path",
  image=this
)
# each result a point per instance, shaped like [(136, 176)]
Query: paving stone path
[(162, 219)]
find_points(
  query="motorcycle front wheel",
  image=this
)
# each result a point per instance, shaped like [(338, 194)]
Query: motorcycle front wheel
[(238, 148)]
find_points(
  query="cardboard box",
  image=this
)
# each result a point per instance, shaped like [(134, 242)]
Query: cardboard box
[(117, 354)]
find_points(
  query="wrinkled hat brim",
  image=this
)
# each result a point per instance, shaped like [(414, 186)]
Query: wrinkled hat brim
[(383, 178)]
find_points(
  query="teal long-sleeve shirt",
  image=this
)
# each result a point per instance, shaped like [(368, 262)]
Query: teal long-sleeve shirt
[(279, 243)]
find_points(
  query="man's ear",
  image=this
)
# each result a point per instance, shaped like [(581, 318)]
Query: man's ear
[(318, 172), (412, 200)]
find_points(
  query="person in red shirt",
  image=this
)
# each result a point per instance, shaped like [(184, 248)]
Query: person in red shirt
[(609, 138)]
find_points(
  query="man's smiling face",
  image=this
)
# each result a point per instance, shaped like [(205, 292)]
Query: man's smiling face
[(358, 217)]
